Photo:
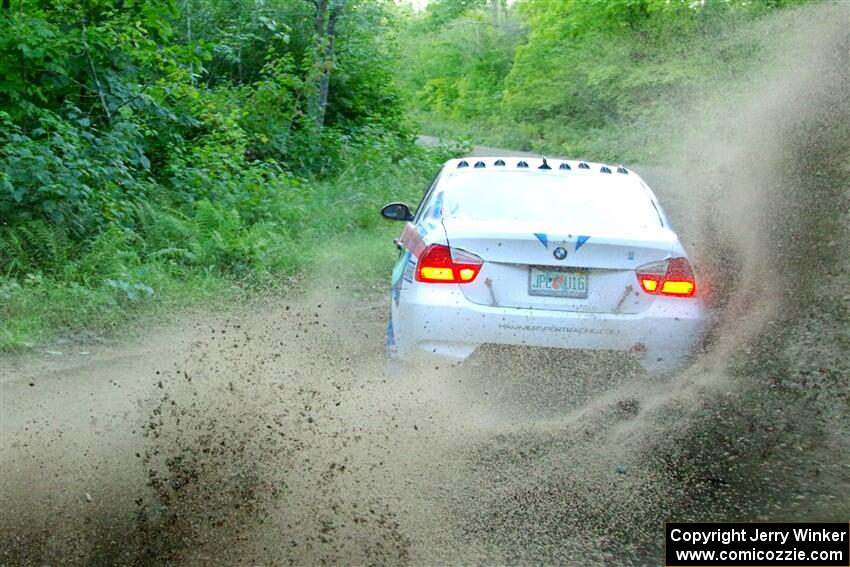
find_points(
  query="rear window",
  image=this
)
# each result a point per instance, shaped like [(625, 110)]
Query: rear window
[(549, 197)]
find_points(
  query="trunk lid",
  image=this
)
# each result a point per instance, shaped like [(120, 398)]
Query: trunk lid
[(599, 264)]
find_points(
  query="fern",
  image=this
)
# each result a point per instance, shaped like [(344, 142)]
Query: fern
[(108, 256), (163, 230), (145, 216), (31, 247), (207, 219), (174, 254)]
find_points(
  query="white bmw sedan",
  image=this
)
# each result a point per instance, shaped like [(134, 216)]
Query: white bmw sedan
[(559, 254)]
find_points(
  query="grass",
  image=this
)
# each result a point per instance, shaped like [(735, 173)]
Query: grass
[(317, 229), (641, 141), (39, 309)]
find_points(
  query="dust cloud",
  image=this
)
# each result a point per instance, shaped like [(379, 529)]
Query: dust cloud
[(273, 436)]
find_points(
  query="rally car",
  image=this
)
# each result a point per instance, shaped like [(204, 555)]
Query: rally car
[(541, 253)]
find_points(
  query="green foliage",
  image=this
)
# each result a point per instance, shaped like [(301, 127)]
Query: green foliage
[(457, 66), (161, 151), (66, 174), (653, 50), (32, 247), (593, 78), (174, 257), (154, 151)]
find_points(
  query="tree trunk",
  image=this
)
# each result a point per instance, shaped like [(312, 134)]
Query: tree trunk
[(94, 75), (325, 78), (327, 16)]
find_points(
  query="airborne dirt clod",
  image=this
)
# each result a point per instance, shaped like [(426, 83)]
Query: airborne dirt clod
[(273, 436)]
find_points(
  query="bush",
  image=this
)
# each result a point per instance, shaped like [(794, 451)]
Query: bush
[(593, 79), (137, 160)]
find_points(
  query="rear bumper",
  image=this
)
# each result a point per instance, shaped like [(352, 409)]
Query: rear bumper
[(437, 321)]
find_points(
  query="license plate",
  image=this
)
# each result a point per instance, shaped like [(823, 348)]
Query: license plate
[(557, 283)]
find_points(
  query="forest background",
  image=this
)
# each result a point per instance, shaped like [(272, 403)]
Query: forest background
[(157, 155)]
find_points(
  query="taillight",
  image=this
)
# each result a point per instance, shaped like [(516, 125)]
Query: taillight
[(668, 277), (441, 264)]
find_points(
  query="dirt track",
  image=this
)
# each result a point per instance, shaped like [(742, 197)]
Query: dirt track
[(275, 426), (271, 435)]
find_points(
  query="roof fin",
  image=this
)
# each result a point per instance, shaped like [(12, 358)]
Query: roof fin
[(545, 165)]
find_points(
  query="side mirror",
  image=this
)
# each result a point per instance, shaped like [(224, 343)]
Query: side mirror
[(397, 212)]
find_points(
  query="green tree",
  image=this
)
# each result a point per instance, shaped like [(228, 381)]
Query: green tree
[(455, 57)]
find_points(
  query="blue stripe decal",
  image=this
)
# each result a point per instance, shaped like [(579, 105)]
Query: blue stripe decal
[(437, 211), (390, 336), (581, 240), (544, 240)]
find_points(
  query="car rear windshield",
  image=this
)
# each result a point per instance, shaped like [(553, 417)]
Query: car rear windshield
[(593, 199)]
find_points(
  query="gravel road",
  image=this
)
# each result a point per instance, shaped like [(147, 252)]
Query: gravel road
[(268, 434)]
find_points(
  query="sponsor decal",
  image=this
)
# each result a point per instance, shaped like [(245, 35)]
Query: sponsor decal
[(555, 329), (409, 269), (412, 240)]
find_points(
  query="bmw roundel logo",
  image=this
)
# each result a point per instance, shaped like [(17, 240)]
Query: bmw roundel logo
[(560, 253)]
